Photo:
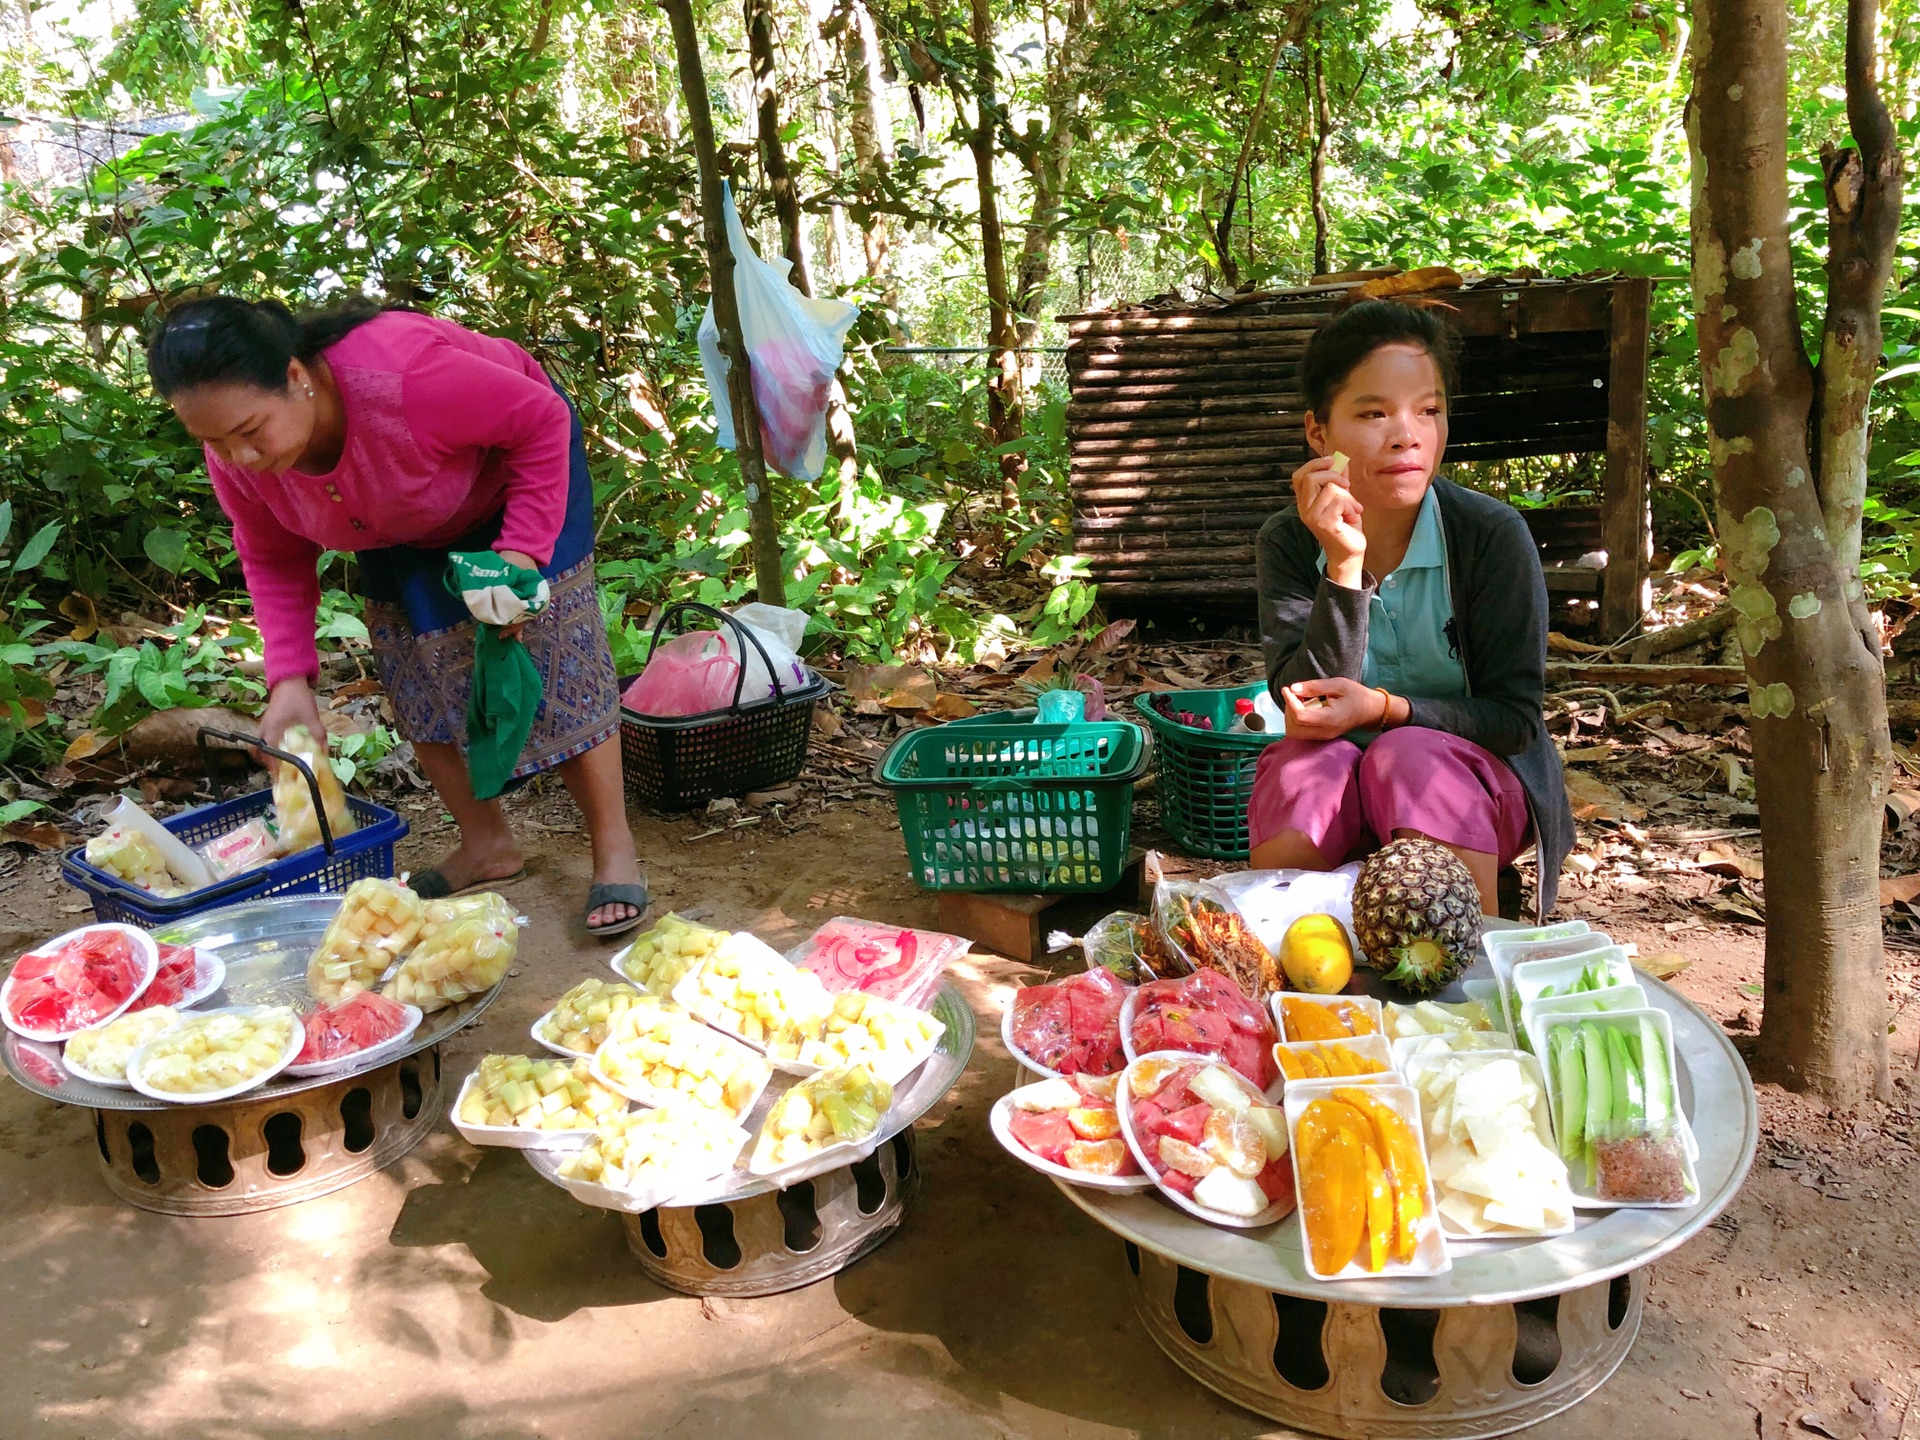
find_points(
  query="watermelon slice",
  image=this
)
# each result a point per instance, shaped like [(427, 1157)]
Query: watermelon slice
[(1072, 1027), (1187, 1123), (1206, 1012), (1046, 1133), (82, 981), (357, 1023), (179, 967)]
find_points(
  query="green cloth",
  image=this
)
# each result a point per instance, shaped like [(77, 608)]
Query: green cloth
[(506, 683)]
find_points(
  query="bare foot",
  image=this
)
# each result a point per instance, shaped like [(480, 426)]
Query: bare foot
[(620, 872), (474, 865)]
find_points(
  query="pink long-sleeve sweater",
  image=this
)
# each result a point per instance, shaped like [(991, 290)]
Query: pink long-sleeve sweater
[(444, 428)]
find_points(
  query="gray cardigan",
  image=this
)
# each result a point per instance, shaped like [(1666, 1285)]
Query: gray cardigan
[(1312, 629)]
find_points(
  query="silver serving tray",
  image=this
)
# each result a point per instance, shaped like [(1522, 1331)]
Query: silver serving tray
[(916, 1095), (1715, 1094), (265, 944)]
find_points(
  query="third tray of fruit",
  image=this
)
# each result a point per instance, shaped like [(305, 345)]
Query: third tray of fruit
[(658, 1054), (1208, 1138), (830, 1119), (1367, 1202), (646, 1158)]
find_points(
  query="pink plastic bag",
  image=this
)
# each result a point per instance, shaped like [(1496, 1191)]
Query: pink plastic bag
[(688, 675), (883, 960)]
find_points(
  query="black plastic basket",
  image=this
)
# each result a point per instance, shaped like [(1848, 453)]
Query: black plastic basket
[(674, 762)]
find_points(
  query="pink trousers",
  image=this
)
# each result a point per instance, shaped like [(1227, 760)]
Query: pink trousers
[(1349, 801)]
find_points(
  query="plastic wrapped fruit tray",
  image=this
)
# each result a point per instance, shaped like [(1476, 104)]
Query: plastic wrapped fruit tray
[(265, 945), (918, 1093)]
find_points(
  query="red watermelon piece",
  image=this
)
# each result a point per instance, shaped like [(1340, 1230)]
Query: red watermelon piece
[(357, 1023), (77, 984), (171, 982), (1177, 1180), (1046, 1133), (1277, 1181), (1187, 1124)]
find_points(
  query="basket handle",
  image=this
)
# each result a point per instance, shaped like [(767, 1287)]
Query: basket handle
[(253, 742), (673, 612)]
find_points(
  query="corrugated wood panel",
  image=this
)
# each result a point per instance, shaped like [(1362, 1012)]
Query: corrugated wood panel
[(1184, 426)]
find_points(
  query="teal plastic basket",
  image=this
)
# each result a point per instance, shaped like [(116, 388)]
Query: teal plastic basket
[(1038, 809), (1205, 776)]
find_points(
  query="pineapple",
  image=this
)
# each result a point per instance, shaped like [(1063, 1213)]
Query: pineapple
[(466, 947), (659, 1054), (376, 922), (515, 1091), (585, 1013), (105, 1049), (656, 961), (130, 856), (651, 1146), (1416, 913), (865, 1026), (214, 1051), (750, 990), (293, 808), (835, 1107)]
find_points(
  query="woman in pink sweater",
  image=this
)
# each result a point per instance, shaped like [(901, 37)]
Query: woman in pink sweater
[(402, 437)]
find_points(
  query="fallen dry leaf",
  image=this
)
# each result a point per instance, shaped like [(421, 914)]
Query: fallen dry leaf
[(953, 707), (41, 834), (1720, 858), (1594, 799), (1586, 754), (826, 722), (1662, 966), (1902, 806), (1899, 889), (876, 689), (1111, 637), (86, 620), (87, 744)]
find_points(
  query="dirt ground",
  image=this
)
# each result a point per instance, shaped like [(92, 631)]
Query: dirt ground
[(459, 1295)]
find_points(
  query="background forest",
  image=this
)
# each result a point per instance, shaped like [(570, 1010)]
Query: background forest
[(522, 166)]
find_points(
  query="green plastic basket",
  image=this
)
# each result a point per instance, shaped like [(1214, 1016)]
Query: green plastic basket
[(1205, 776), (1039, 809)]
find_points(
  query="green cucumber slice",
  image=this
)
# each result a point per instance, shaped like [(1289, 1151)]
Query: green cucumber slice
[(1570, 1078), (1661, 1101), (1593, 1050), (1629, 1103)]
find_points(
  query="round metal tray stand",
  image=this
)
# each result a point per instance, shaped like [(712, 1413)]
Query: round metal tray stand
[(1515, 1332), (293, 1138), (1364, 1370), (262, 1152), (779, 1239)]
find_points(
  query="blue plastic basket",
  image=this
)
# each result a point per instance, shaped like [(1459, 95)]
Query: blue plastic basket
[(319, 870)]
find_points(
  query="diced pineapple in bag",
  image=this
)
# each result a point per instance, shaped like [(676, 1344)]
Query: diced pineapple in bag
[(464, 951), (657, 1047), (376, 922), (295, 818), (134, 858), (835, 1107)]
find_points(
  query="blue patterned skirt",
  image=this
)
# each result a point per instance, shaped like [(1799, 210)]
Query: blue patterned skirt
[(423, 637)]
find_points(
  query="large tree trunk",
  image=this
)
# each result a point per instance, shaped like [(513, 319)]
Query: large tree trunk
[(1789, 458), (826, 120), (769, 572), (1050, 169), (1003, 382), (1317, 161), (871, 125), (773, 154)]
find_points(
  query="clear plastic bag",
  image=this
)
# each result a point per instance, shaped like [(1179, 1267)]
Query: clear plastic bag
[(1124, 943), (884, 960), (1071, 1027), (468, 948), (130, 856), (1208, 1014), (376, 923), (794, 344), (1198, 923), (687, 675), (294, 815)]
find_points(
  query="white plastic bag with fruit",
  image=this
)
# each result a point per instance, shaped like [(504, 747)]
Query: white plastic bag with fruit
[(295, 817)]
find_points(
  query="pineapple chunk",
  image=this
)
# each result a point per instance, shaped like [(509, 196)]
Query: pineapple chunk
[(375, 924), (105, 1049), (515, 1090), (465, 948), (658, 959), (835, 1107), (213, 1052)]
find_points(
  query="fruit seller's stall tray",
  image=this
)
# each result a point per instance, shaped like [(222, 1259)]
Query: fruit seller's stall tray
[(1715, 1094), (265, 945), (913, 1097), (1225, 1304)]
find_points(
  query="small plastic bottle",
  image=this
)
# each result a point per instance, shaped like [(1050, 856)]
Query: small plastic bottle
[(1247, 719)]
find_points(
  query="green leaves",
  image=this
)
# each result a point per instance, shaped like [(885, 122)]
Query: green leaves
[(38, 547), (166, 548)]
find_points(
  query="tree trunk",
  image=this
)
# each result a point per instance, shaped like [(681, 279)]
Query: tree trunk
[(1050, 170), (769, 572), (826, 120), (1317, 164), (871, 124), (1788, 452), (773, 155), (644, 121), (1003, 382)]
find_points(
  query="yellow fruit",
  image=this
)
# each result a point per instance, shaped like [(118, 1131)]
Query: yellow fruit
[(1316, 955)]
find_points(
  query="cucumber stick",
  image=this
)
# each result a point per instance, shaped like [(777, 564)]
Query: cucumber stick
[(1570, 1078), (1593, 1052), (1629, 1087), (1659, 1079)]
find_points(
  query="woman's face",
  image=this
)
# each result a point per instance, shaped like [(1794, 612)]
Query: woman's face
[(250, 426), (1390, 420)]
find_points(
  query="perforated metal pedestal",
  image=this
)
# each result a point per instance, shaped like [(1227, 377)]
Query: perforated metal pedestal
[(779, 1239), (1514, 1332), (259, 1153)]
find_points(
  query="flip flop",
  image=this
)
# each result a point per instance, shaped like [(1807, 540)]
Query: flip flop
[(430, 884), (632, 893)]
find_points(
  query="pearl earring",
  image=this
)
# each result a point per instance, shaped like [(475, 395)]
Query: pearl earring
[(309, 392)]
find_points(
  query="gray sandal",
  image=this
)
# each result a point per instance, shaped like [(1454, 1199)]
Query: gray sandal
[(632, 893)]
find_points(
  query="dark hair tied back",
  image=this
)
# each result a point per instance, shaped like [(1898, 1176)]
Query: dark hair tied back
[(224, 340), (1340, 346)]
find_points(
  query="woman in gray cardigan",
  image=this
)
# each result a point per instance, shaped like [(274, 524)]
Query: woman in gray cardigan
[(1404, 621)]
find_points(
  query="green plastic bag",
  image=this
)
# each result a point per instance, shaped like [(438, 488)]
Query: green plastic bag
[(506, 683)]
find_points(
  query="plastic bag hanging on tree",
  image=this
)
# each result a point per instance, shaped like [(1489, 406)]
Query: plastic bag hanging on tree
[(794, 345)]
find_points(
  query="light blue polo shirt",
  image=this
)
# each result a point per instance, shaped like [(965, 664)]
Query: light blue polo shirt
[(1407, 650)]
